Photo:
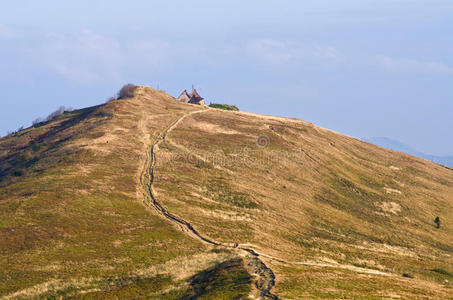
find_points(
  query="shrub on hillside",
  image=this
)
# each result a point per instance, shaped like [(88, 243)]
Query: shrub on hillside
[(36, 122), (127, 91), (40, 121), (224, 106), (17, 173), (437, 221), (61, 110), (441, 271)]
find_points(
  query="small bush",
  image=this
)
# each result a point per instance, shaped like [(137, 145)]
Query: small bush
[(437, 221), (407, 275), (441, 271), (127, 91), (224, 106), (36, 122), (56, 113), (17, 173)]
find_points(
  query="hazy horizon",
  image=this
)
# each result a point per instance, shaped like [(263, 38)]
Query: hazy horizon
[(362, 68)]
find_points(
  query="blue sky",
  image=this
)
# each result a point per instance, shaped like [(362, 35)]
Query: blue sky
[(363, 68)]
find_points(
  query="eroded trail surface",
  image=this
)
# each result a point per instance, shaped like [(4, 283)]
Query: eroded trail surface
[(265, 277)]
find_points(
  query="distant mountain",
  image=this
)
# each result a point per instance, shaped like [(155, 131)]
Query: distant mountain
[(398, 146)]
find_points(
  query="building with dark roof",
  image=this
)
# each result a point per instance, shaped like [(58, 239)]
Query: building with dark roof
[(192, 98)]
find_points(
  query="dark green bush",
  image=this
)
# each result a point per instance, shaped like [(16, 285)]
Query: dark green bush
[(437, 221), (441, 271), (224, 106), (17, 173), (127, 91)]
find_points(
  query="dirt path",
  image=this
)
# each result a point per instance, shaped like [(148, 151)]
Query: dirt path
[(265, 277)]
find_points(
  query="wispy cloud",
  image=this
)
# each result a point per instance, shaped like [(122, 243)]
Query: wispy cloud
[(84, 57), (282, 53), (274, 52), (88, 57), (408, 65)]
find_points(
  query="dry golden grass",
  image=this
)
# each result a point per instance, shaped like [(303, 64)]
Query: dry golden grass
[(178, 269), (76, 212), (312, 195)]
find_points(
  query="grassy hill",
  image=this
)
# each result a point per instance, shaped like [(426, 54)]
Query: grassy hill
[(153, 198)]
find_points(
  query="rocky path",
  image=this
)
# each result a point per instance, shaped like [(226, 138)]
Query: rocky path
[(265, 277)]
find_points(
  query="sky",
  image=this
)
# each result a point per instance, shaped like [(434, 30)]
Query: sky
[(364, 68)]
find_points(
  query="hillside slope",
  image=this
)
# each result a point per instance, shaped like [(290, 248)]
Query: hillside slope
[(149, 197)]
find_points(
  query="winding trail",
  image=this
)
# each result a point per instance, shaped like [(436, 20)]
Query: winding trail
[(266, 278)]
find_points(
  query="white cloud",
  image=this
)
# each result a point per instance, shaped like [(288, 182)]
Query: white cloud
[(76, 75), (281, 53), (84, 57), (87, 57), (327, 53), (272, 51), (408, 65)]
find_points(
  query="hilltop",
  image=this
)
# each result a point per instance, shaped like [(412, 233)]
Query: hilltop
[(151, 197)]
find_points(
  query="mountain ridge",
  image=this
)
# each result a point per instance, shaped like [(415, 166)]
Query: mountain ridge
[(316, 206), (398, 146)]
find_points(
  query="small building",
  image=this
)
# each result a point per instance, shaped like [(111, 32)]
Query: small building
[(192, 98), (184, 97), (195, 98)]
